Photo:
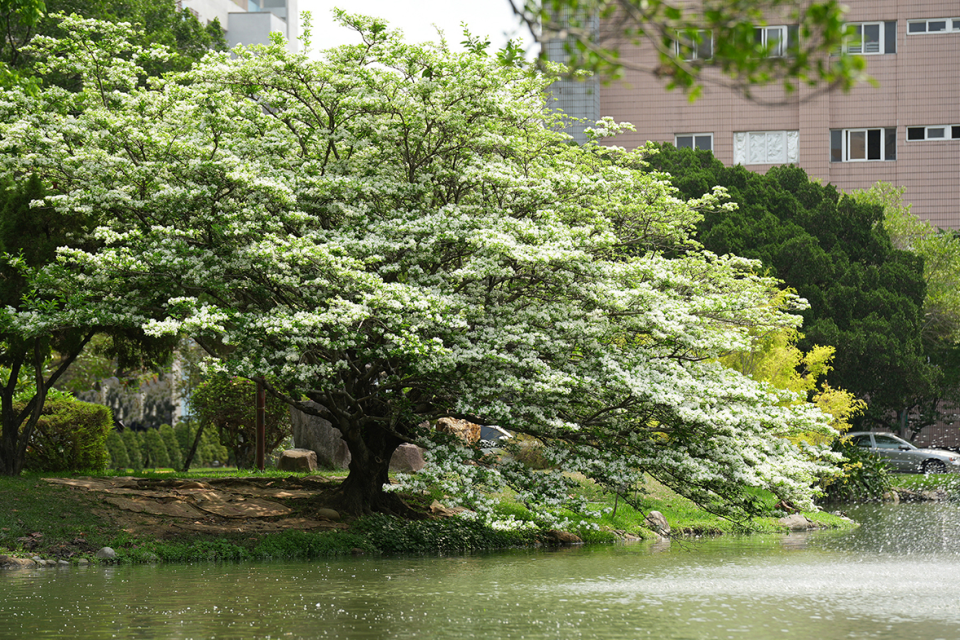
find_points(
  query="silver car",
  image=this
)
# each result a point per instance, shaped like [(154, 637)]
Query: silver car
[(905, 457)]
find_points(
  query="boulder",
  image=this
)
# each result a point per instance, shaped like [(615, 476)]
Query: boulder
[(562, 537), (328, 514), (657, 522), (320, 436), (9, 562), (797, 522), (299, 460), (466, 431), (408, 458), (106, 553), (934, 495)]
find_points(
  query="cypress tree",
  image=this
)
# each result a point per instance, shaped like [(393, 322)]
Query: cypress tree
[(173, 446), (156, 449), (119, 458), (132, 442)]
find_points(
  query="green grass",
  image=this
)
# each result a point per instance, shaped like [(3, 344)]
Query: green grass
[(39, 517), (949, 482)]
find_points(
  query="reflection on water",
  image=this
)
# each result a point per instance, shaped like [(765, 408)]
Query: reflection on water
[(893, 578)]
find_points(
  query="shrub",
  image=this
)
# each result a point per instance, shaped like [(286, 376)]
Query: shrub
[(393, 535), (864, 476), (305, 545), (70, 436)]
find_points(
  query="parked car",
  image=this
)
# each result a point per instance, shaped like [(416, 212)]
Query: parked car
[(905, 457)]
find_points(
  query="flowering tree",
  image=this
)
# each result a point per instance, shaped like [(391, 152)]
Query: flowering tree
[(398, 233)]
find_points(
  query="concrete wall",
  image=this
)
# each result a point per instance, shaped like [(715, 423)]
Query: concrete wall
[(253, 28)]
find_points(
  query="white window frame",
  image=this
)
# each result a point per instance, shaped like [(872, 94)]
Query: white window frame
[(951, 25), (845, 144), (948, 133), (781, 42), (693, 140), (859, 48), (745, 141), (690, 51)]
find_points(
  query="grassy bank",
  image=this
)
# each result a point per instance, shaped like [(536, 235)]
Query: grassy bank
[(57, 522), (920, 482)]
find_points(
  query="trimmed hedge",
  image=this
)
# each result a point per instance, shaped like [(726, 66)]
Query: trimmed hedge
[(70, 436)]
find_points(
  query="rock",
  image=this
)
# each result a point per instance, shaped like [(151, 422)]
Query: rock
[(319, 435), (63, 563), (9, 562), (83, 562), (408, 458), (466, 431), (657, 522), (934, 495), (797, 522), (328, 514), (106, 553), (562, 537), (891, 496), (438, 509), (301, 460)]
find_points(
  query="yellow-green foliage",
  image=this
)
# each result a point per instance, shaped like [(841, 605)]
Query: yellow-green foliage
[(70, 436), (776, 359)]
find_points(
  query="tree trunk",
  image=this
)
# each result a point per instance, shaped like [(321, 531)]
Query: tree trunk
[(362, 492), (193, 449), (10, 464)]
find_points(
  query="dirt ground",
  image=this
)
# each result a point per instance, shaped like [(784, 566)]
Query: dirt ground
[(175, 508)]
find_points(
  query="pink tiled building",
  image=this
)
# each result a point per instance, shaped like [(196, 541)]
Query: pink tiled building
[(905, 131)]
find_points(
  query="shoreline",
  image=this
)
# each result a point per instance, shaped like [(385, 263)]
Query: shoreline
[(161, 519)]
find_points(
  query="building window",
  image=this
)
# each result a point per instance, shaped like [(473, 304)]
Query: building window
[(695, 141), (700, 48), (935, 132), (862, 145), (776, 40), (871, 38), (937, 25), (766, 147)]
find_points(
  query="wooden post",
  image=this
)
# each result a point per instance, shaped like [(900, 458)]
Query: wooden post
[(261, 428)]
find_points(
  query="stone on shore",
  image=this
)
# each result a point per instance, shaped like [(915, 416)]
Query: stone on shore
[(657, 522), (798, 522), (9, 562), (106, 553)]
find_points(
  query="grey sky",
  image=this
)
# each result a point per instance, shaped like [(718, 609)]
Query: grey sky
[(416, 17)]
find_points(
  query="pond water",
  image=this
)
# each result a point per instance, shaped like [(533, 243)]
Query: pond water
[(898, 576)]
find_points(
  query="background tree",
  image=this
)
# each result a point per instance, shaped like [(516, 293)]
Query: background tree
[(397, 233), (866, 296), (940, 251), (33, 234), (736, 54), (158, 21), (30, 236), (228, 404)]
